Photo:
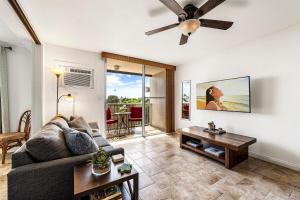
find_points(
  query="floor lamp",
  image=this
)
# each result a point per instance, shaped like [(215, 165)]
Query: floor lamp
[(57, 71), (69, 97)]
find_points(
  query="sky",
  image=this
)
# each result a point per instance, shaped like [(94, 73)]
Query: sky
[(186, 89), (125, 85)]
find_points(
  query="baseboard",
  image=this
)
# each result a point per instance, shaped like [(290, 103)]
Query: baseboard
[(276, 161)]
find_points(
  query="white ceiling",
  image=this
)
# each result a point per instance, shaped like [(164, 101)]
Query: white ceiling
[(12, 31), (6, 35), (119, 25)]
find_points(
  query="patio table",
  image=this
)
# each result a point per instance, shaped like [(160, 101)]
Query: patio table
[(123, 116)]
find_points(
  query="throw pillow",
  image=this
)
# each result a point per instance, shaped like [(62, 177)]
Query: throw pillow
[(79, 143), (59, 121), (79, 122), (48, 144)]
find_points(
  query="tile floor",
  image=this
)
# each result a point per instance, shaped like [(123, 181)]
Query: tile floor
[(168, 172), (136, 132)]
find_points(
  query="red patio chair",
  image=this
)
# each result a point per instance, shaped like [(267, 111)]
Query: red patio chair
[(135, 116), (186, 110), (109, 120)]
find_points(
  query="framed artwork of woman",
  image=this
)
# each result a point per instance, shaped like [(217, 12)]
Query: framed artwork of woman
[(225, 95)]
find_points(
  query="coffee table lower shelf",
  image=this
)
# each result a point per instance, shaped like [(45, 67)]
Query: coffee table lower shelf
[(204, 153)]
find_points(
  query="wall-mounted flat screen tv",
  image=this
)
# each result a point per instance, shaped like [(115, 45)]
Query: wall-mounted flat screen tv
[(225, 95)]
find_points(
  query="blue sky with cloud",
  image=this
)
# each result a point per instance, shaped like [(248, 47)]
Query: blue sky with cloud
[(125, 85)]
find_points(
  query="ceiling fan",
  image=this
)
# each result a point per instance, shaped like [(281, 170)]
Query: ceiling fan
[(188, 18)]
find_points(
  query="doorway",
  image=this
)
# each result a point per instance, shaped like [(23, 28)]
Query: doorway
[(135, 99)]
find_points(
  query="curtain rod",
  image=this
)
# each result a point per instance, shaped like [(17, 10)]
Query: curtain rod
[(9, 48)]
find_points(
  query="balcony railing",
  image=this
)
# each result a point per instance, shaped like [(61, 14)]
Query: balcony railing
[(115, 108)]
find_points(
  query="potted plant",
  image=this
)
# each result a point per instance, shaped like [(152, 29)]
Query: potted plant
[(101, 162), (123, 109)]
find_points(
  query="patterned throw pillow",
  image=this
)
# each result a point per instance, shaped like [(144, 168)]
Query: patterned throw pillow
[(79, 143)]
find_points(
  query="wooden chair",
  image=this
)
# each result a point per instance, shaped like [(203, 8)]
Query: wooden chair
[(10, 140)]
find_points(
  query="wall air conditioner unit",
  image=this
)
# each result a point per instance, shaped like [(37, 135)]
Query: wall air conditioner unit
[(78, 77)]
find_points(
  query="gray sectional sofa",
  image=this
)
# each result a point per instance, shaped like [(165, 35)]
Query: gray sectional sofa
[(48, 179)]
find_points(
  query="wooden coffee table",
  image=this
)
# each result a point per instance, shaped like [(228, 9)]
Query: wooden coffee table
[(235, 146), (86, 183)]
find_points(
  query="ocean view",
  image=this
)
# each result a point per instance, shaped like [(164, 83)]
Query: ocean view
[(232, 103)]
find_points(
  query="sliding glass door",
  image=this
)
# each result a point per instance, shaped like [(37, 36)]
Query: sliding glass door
[(155, 101), (123, 106), (135, 99)]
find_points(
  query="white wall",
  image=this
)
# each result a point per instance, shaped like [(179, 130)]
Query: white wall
[(273, 63), (89, 103), (37, 88), (21, 61), (19, 83)]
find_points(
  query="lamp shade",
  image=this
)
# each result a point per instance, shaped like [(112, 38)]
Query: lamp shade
[(69, 97), (57, 70), (189, 26)]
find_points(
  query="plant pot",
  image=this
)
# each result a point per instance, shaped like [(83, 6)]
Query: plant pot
[(99, 169)]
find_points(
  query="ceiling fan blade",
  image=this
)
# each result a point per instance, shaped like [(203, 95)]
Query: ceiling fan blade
[(174, 6), (161, 29), (209, 23), (183, 39), (163, 9), (205, 8)]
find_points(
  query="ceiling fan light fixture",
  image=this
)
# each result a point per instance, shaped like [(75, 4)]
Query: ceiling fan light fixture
[(189, 26)]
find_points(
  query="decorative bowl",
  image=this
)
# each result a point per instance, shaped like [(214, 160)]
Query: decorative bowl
[(99, 169)]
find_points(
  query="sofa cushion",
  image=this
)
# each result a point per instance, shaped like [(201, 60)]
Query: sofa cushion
[(61, 116), (48, 144), (79, 143), (96, 133), (60, 121), (72, 117), (79, 122), (101, 142)]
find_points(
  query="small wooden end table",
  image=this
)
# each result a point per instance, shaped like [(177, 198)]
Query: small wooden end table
[(86, 183)]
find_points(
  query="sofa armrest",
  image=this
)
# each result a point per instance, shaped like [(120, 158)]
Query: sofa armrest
[(94, 125), (95, 129), (20, 157), (38, 180), (113, 151)]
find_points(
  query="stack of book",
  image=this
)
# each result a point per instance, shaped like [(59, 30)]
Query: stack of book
[(194, 143), (117, 158), (112, 193), (215, 151)]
